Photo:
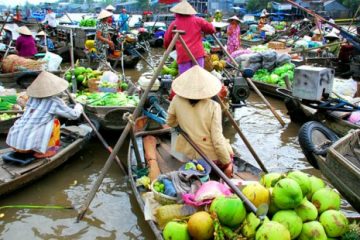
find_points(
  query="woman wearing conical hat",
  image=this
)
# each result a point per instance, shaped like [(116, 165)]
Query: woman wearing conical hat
[(200, 117), (49, 45), (233, 32), (194, 27), (25, 43), (38, 130), (102, 39)]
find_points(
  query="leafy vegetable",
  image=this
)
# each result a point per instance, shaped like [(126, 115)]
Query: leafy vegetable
[(108, 99)]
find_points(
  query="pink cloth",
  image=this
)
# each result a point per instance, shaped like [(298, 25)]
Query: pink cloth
[(25, 45), (233, 42), (193, 27)]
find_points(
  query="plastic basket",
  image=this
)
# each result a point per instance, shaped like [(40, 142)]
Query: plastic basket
[(105, 89), (162, 198)]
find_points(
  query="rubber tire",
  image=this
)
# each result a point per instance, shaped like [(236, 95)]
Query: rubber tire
[(308, 147)]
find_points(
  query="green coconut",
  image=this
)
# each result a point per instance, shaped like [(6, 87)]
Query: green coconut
[(290, 220), (230, 210), (326, 199), (270, 179), (176, 231), (302, 179), (287, 194), (272, 231), (316, 184), (306, 211), (312, 231), (250, 225), (334, 222)]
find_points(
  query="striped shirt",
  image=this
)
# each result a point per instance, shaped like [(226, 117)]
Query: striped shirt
[(33, 130)]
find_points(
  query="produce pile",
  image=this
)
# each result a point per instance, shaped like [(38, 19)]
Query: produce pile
[(119, 99), (7, 102), (301, 206), (83, 75), (87, 23), (279, 25), (14, 63), (277, 76), (7, 116), (172, 69)]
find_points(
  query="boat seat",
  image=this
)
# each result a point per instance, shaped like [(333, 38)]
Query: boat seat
[(13, 157)]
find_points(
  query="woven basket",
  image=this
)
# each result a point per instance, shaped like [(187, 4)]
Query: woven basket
[(162, 198), (93, 85), (276, 45)]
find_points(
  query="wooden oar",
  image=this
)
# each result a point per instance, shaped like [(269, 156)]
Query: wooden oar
[(261, 211), (126, 131), (228, 114), (277, 116), (102, 140)]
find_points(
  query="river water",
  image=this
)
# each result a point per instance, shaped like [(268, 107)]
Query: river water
[(114, 213)]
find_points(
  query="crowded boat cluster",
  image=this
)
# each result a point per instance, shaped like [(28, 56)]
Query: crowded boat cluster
[(64, 83)]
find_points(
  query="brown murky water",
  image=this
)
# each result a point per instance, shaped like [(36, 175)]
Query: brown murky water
[(114, 213)]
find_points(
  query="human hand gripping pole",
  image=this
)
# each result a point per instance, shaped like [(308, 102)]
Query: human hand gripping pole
[(126, 131), (102, 140), (260, 211)]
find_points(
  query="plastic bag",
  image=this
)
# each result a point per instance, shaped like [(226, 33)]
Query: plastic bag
[(255, 58), (282, 58), (109, 77), (53, 61), (345, 88)]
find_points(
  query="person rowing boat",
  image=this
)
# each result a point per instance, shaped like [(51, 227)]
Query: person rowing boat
[(197, 114)]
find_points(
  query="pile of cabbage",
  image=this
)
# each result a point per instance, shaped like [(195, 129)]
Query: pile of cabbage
[(119, 99), (277, 76)]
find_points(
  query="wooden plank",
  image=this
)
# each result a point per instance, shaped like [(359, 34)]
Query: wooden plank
[(17, 170), (5, 176)]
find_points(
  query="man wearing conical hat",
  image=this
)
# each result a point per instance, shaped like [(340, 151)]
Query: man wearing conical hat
[(200, 117), (38, 130), (334, 49), (194, 27), (25, 43), (44, 43)]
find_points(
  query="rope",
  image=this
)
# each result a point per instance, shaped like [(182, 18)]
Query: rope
[(129, 117)]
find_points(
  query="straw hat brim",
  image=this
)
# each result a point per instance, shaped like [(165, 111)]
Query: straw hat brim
[(184, 8), (24, 30), (104, 14), (42, 33), (196, 83), (234, 18), (46, 85), (110, 7)]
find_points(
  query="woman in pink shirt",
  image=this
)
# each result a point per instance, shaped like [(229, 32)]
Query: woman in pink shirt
[(25, 43), (233, 32), (193, 26)]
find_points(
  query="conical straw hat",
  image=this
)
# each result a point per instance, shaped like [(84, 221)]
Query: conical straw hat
[(110, 8), (234, 18), (42, 33), (183, 8), (24, 30), (196, 83), (104, 14), (46, 85), (331, 35)]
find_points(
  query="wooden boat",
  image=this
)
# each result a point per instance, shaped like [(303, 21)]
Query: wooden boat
[(268, 89), (13, 177), (167, 163), (5, 125), (21, 79), (341, 166), (332, 119), (250, 43)]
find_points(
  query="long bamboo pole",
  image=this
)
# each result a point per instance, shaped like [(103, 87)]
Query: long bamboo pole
[(277, 116), (126, 131)]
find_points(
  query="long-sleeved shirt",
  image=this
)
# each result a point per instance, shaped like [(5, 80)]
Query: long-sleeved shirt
[(33, 130), (50, 18), (202, 122), (25, 45), (193, 27)]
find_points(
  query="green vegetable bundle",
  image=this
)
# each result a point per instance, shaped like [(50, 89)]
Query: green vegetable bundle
[(6, 102), (108, 99)]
